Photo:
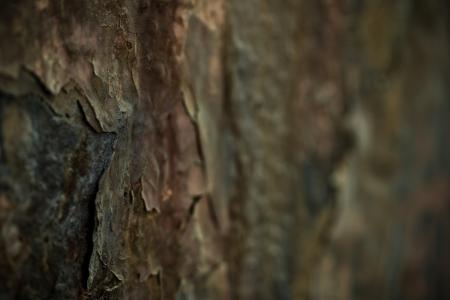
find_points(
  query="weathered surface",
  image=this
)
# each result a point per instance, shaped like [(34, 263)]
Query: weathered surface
[(103, 74), (50, 166), (158, 149)]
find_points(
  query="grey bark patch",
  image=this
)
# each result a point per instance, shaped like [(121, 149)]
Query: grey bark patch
[(49, 173)]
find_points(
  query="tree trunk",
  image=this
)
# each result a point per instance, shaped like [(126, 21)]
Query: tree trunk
[(224, 149)]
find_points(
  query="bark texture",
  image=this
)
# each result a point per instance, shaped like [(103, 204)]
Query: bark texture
[(224, 149)]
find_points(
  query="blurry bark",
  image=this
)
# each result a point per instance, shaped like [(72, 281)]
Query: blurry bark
[(224, 149), (391, 236)]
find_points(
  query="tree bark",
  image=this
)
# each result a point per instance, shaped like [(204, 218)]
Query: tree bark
[(224, 149)]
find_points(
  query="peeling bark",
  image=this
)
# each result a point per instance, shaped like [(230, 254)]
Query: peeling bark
[(224, 149)]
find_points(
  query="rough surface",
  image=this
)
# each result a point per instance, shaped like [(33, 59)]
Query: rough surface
[(50, 166), (224, 149)]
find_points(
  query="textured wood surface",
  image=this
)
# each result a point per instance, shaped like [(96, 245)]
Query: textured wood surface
[(224, 149)]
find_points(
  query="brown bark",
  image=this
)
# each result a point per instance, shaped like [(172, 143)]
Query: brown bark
[(224, 149)]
